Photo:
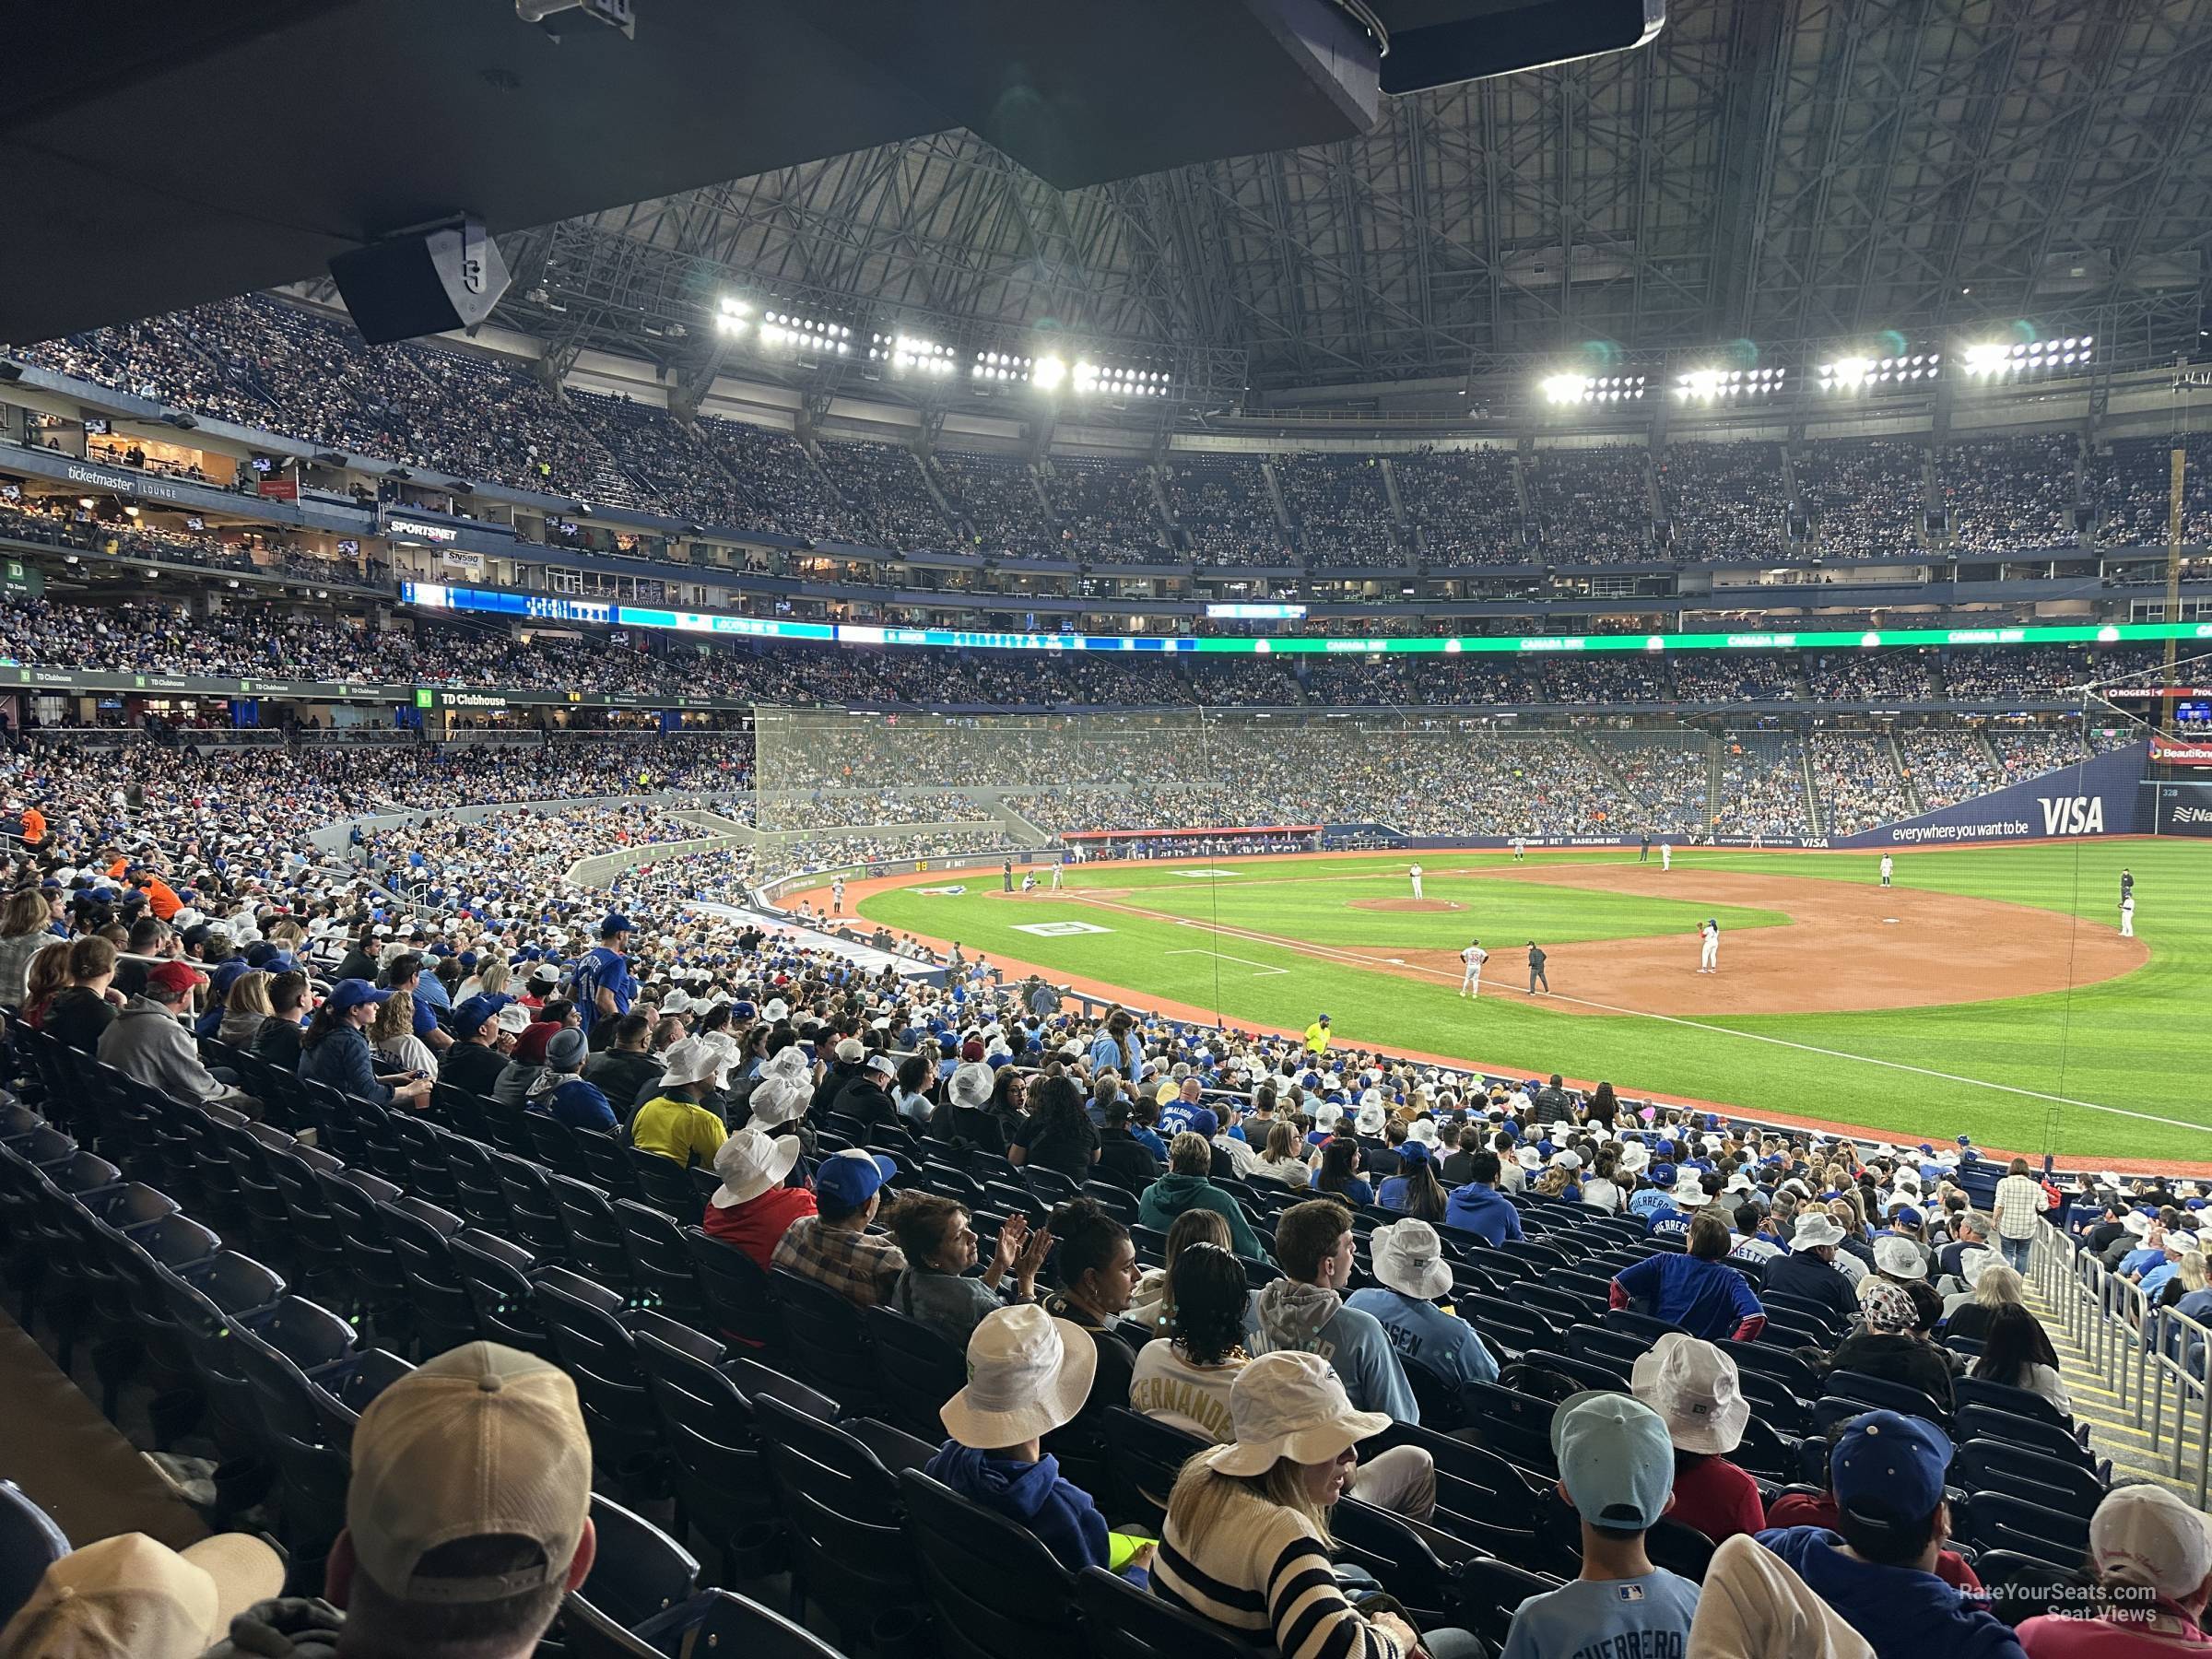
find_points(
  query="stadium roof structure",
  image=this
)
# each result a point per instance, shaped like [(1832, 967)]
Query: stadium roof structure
[(1776, 172), (158, 156)]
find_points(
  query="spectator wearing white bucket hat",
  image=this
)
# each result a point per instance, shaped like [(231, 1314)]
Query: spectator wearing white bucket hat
[(1246, 1543), (753, 1209), (1408, 1257), (2153, 1551), (1808, 1272), (673, 1124), (1029, 1374), (1694, 1388)]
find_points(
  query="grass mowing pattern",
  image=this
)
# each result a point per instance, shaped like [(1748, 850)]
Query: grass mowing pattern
[(2142, 1042)]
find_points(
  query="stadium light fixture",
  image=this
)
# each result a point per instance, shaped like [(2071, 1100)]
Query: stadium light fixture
[(1998, 359), (1048, 373), (1709, 385), (1568, 389), (732, 316), (1895, 372), (1114, 380), (804, 333)]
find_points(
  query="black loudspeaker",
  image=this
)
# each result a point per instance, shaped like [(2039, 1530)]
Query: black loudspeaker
[(426, 282)]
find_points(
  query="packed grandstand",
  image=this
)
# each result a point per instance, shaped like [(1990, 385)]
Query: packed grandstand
[(481, 1175)]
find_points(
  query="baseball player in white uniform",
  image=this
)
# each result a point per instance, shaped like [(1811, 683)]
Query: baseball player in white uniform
[(2127, 917), (837, 896), (1666, 856), (1416, 874), (1708, 947), (1057, 867), (1520, 848), (1889, 866), (1473, 957)]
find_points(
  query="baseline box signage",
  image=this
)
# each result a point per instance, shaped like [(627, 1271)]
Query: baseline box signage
[(2098, 797)]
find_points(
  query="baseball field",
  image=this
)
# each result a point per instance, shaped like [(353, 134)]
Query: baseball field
[(1987, 991)]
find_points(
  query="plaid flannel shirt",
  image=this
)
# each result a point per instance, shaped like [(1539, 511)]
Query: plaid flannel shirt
[(861, 1267)]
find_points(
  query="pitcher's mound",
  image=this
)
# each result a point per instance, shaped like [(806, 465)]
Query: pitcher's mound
[(1399, 906)]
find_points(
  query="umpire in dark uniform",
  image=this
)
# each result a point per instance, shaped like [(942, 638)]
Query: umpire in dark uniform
[(2127, 883), (1536, 969)]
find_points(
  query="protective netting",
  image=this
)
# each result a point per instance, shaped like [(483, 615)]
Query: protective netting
[(1184, 768)]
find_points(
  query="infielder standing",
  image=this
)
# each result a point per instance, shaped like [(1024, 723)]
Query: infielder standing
[(1520, 848), (836, 895), (2127, 917), (1536, 969), (1416, 874), (1889, 866), (1708, 947), (1473, 957), (1666, 856)]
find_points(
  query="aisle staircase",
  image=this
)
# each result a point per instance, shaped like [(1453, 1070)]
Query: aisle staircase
[(2112, 1431)]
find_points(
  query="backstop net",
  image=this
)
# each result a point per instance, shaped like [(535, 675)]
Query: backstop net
[(1094, 775)]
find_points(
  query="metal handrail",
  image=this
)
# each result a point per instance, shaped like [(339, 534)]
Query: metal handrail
[(2143, 1353)]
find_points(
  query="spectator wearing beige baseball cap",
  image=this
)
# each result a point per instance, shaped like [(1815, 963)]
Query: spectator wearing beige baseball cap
[(467, 1519), (132, 1597), (1247, 1541)]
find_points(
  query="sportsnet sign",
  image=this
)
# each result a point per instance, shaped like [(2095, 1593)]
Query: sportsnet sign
[(2098, 797)]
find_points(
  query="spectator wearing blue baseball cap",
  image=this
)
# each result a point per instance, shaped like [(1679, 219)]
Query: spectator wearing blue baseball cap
[(335, 1048), (603, 985), (833, 1246), (1617, 1468), (1877, 1569), (474, 1061)]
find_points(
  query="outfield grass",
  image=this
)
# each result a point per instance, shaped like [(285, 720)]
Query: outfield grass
[(2141, 1043)]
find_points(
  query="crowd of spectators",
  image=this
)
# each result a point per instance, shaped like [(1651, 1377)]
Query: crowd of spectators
[(1592, 506), (1865, 495), (1870, 675), (1762, 785), (1341, 507), (1466, 504), (1727, 677), (680, 474), (2029, 751), (1947, 766), (1725, 501), (2017, 492), (64, 522), (1105, 511), (1857, 775), (262, 363), (1669, 773), (1225, 511), (784, 488), (887, 497), (2133, 483), (999, 500)]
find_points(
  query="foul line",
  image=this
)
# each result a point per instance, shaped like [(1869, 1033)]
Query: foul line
[(1258, 968), (1339, 957)]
